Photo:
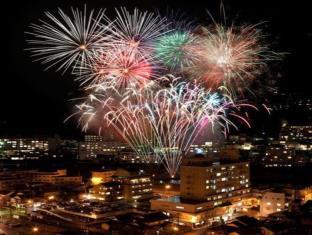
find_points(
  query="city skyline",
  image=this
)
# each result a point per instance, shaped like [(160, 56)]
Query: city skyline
[(156, 117)]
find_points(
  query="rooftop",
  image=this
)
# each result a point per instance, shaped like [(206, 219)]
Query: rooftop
[(209, 161), (179, 199)]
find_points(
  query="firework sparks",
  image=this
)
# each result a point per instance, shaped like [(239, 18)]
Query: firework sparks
[(137, 30), (232, 56), (63, 42), (123, 63), (174, 49), (119, 66), (162, 123)]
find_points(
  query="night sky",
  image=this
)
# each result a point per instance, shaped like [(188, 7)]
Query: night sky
[(35, 102)]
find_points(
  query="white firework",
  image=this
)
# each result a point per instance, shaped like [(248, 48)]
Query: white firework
[(138, 29), (63, 40)]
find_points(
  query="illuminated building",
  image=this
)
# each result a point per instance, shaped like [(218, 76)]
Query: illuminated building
[(203, 149), (305, 194), (104, 176), (296, 136), (93, 138), (129, 185), (278, 156), (137, 185), (209, 190), (301, 193), (95, 149), (110, 191), (272, 202), (213, 181), (129, 157), (23, 148)]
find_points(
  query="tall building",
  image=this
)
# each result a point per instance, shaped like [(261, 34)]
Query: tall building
[(209, 191), (207, 181)]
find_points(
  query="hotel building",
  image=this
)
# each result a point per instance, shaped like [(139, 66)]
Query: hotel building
[(209, 191)]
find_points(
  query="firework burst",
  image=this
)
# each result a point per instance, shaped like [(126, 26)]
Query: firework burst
[(231, 56), (137, 30), (160, 122), (120, 67), (175, 49), (123, 65), (64, 41)]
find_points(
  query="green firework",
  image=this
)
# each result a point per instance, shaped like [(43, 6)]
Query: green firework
[(171, 49)]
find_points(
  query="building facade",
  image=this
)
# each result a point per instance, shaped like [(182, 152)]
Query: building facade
[(103, 176), (209, 191), (214, 181), (23, 148), (131, 186), (272, 202)]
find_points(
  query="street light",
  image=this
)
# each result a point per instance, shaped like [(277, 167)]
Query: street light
[(35, 229), (193, 219), (167, 186)]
